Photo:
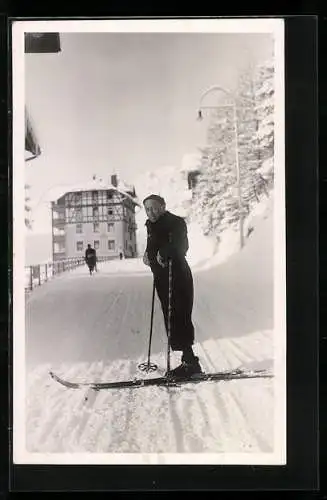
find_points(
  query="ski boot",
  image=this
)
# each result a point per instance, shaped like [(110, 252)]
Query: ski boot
[(186, 369)]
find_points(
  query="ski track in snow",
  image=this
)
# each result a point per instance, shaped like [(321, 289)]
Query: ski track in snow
[(208, 417), (96, 329)]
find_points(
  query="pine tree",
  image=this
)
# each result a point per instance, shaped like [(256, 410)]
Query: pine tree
[(213, 204), (216, 196), (247, 123), (265, 112), (255, 96)]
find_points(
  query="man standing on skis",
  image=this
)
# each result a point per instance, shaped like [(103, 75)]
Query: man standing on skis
[(167, 239)]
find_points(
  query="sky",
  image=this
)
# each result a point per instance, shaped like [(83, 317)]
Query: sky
[(124, 103)]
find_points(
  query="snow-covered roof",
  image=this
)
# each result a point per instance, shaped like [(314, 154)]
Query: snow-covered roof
[(93, 185), (124, 186)]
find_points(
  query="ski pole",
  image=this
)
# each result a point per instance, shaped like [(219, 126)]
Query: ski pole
[(169, 308), (148, 366), (169, 312)]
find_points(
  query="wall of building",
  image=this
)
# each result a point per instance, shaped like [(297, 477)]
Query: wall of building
[(102, 236)]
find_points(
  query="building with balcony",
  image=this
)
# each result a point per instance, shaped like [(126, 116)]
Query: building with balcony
[(97, 214)]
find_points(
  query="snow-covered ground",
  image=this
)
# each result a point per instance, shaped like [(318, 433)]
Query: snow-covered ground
[(213, 418), (97, 328)]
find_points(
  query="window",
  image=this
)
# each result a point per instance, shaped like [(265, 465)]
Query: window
[(192, 179), (79, 228), (58, 215), (95, 227), (110, 211), (78, 198), (94, 196), (78, 215), (59, 247), (109, 195), (79, 246), (96, 244), (95, 212), (111, 244), (110, 227)]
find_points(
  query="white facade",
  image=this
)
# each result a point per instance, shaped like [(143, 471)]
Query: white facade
[(108, 239)]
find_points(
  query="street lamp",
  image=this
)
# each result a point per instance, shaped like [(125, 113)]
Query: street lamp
[(237, 165)]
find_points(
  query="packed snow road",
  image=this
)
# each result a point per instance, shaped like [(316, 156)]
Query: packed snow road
[(97, 327)]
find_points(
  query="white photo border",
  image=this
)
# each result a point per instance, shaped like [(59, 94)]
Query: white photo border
[(19, 28)]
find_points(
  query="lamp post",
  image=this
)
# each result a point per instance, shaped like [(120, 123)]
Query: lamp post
[(237, 165)]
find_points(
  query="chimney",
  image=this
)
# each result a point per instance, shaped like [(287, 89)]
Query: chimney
[(114, 180)]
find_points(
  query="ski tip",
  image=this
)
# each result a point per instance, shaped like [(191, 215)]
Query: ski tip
[(53, 375)]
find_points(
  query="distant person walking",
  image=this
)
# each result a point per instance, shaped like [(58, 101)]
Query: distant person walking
[(91, 258)]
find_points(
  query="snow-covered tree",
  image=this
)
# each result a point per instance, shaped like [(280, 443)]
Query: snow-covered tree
[(247, 125), (255, 95), (213, 204), (265, 112), (217, 204)]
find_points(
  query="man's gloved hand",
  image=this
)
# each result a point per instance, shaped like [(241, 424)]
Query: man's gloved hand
[(146, 259), (161, 261)]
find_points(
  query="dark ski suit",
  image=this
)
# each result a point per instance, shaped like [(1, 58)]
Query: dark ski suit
[(182, 329)]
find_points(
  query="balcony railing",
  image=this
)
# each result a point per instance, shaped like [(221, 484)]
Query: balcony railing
[(58, 222)]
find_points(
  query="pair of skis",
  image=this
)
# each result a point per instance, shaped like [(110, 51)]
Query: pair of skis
[(165, 380)]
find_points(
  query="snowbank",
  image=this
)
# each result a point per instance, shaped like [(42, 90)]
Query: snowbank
[(230, 239), (124, 266), (201, 248)]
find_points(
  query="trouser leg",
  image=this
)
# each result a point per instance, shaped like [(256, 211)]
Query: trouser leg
[(181, 328)]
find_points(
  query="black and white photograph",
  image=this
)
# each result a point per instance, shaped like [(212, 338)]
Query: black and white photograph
[(149, 242)]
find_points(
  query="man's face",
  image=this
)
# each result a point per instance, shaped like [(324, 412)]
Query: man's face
[(154, 209)]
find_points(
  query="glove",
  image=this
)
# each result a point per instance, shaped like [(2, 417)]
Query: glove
[(162, 262), (146, 259)]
